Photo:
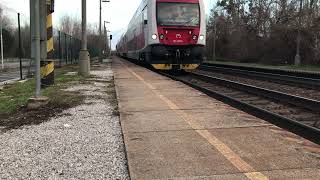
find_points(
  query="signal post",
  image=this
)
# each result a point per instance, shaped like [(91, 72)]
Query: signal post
[(47, 64)]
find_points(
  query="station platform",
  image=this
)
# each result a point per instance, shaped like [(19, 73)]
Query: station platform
[(172, 131)]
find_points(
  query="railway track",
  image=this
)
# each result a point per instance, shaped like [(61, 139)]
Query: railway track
[(297, 114), (292, 78), (294, 89)]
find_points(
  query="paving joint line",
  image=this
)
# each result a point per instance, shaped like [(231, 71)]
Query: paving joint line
[(162, 110), (181, 130), (283, 169), (240, 173)]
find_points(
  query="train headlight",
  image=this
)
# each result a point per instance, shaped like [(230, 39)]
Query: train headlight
[(154, 36), (161, 36), (194, 37), (201, 37)]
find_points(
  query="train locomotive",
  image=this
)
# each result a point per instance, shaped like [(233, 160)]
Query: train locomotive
[(168, 34)]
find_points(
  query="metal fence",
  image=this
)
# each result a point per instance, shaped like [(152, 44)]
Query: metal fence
[(66, 48), (15, 46)]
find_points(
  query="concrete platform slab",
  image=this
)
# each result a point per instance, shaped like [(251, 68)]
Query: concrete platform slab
[(139, 105), (123, 74), (172, 131), (152, 121), (238, 176), (166, 86), (159, 155), (140, 92), (294, 174), (266, 151), (217, 118)]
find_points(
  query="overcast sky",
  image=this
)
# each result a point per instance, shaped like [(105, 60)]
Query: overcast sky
[(118, 12)]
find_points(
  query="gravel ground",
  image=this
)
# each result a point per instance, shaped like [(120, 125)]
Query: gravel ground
[(84, 142)]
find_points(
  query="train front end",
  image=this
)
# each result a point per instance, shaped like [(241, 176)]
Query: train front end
[(178, 37)]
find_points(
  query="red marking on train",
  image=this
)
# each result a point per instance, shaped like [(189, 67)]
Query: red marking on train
[(178, 35)]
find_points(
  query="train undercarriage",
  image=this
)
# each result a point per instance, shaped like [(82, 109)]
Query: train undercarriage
[(173, 57)]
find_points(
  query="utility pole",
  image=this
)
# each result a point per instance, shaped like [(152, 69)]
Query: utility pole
[(214, 39), (100, 22), (35, 23), (32, 44), (105, 35), (297, 59), (84, 56), (110, 44), (65, 48), (20, 48), (36, 32), (59, 45), (105, 38), (2, 65), (100, 17)]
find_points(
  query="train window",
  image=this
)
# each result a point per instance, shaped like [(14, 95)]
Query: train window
[(178, 14)]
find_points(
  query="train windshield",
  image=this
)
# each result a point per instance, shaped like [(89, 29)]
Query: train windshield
[(178, 14)]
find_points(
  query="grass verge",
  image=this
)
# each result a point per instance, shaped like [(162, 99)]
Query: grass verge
[(14, 97)]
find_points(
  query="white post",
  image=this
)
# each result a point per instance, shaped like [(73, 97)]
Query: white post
[(37, 39), (84, 56), (110, 46)]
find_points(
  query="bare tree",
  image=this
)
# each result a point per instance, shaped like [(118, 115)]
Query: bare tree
[(72, 27), (266, 30)]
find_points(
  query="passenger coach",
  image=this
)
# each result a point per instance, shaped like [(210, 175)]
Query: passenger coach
[(168, 34)]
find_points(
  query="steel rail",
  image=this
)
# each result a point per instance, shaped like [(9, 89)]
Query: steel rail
[(296, 73), (306, 131), (310, 104), (298, 79)]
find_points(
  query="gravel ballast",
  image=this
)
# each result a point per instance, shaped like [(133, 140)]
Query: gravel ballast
[(84, 142)]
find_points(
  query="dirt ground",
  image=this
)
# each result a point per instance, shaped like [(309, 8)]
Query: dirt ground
[(26, 117), (59, 101)]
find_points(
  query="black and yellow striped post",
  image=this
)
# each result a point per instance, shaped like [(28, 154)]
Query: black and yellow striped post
[(47, 67)]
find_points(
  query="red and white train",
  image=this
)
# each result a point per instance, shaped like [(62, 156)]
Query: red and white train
[(168, 34)]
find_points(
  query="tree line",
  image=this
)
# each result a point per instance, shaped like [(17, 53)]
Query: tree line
[(67, 25), (10, 36), (265, 31)]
